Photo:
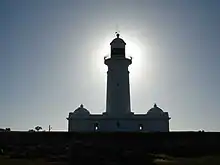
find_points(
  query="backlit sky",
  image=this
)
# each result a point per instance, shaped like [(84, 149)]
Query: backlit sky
[(51, 59)]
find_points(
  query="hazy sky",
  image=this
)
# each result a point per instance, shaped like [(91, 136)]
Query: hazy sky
[(51, 59)]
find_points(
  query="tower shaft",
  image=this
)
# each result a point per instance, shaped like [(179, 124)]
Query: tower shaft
[(118, 86)]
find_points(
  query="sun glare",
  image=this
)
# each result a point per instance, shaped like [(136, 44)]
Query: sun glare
[(103, 51), (134, 49)]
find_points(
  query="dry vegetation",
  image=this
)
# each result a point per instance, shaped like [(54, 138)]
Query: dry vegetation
[(206, 160), (163, 160), (7, 161), (105, 149)]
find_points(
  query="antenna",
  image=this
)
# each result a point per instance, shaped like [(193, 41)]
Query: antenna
[(117, 30)]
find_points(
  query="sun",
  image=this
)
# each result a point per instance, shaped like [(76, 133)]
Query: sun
[(133, 49)]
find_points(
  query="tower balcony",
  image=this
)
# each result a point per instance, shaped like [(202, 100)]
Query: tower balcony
[(115, 59)]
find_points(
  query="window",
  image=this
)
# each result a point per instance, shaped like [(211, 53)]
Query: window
[(140, 127), (118, 124), (96, 126)]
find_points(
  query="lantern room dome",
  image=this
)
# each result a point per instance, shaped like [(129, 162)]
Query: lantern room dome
[(155, 110), (81, 111), (118, 42)]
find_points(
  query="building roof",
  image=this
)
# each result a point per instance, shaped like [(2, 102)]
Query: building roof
[(155, 110), (118, 41), (81, 111)]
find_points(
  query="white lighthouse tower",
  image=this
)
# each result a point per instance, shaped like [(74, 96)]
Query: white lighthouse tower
[(118, 115), (118, 87)]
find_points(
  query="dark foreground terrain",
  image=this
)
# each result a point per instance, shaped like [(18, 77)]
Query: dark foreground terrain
[(62, 148)]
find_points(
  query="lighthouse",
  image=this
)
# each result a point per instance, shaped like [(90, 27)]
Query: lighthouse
[(118, 86), (118, 116)]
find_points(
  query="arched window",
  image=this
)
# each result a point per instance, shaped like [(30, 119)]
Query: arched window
[(118, 124), (96, 126), (140, 127)]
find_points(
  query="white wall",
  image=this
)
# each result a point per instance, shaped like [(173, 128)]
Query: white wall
[(110, 124)]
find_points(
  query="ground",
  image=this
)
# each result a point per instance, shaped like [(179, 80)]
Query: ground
[(206, 160), (131, 148), (7, 161), (164, 160)]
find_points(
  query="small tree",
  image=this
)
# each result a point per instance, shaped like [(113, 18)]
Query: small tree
[(7, 129), (38, 128)]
